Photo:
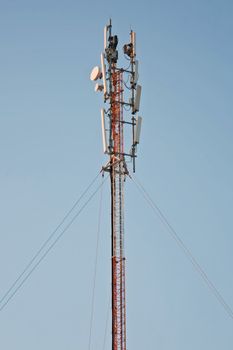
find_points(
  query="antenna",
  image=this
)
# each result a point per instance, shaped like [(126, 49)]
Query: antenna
[(105, 37), (95, 73), (137, 130), (103, 130), (137, 99), (98, 87), (136, 76), (103, 73), (134, 43)]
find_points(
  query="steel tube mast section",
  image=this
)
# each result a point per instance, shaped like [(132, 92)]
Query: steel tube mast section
[(113, 142)]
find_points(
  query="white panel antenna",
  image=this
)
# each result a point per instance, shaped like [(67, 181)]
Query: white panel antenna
[(103, 73), (105, 148), (105, 37), (137, 130), (134, 43), (136, 76), (137, 99)]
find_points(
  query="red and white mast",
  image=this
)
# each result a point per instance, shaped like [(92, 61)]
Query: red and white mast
[(112, 86)]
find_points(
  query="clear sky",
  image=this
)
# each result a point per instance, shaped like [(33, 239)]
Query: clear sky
[(50, 149)]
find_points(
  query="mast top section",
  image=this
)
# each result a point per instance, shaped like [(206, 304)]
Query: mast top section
[(105, 77)]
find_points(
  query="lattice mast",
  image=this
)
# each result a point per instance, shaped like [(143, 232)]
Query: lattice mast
[(112, 86)]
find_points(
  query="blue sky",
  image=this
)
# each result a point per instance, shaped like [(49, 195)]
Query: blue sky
[(50, 149)]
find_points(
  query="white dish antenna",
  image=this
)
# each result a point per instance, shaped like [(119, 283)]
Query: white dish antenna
[(98, 87), (95, 73), (104, 139)]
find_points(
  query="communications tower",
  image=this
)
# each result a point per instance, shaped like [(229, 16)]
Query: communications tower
[(120, 129)]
